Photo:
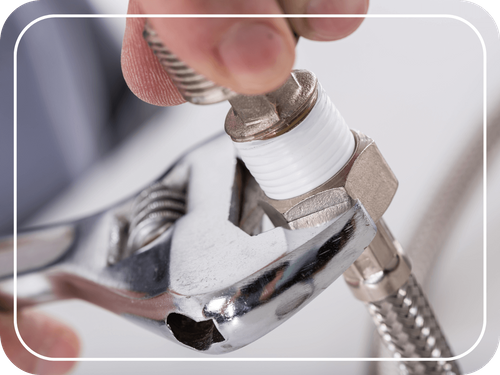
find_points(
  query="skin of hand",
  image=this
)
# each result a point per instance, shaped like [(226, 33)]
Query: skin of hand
[(249, 56), (43, 335)]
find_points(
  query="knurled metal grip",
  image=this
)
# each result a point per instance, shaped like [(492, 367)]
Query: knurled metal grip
[(194, 87)]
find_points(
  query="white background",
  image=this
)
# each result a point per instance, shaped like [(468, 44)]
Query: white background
[(413, 85)]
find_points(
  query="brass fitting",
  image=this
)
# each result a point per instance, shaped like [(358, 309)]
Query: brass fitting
[(380, 270), (366, 176)]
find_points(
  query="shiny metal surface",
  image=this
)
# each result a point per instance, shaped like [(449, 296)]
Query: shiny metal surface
[(273, 114), (380, 275), (380, 270), (155, 210), (204, 282), (40, 248), (366, 176), (408, 327)]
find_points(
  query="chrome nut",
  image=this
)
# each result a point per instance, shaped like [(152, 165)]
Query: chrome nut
[(365, 177), (380, 270)]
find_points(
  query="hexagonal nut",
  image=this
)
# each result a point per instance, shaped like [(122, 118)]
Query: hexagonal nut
[(366, 176), (370, 178)]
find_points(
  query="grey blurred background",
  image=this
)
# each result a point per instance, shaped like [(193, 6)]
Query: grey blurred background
[(413, 85)]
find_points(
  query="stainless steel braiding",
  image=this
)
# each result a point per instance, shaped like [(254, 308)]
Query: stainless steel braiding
[(438, 219), (408, 327)]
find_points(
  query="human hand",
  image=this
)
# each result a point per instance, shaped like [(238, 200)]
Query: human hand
[(249, 56), (42, 334)]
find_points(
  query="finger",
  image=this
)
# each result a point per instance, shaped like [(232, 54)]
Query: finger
[(141, 69), (325, 28), (43, 335), (249, 55)]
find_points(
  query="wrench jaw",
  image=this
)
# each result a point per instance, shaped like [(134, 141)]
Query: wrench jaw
[(223, 321), (207, 282), (261, 302)]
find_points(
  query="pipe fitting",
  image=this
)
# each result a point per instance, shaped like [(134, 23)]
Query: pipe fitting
[(305, 158), (366, 177), (275, 148), (380, 270)]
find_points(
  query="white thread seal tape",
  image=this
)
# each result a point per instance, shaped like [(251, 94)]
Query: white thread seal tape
[(300, 160)]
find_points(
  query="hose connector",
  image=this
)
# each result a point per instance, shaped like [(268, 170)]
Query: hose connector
[(380, 270)]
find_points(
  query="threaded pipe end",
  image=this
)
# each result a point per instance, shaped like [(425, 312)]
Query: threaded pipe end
[(300, 160)]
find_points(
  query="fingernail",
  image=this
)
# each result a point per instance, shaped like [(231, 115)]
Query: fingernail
[(335, 28), (252, 52)]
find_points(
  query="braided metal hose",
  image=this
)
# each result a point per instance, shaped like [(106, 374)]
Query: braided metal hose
[(439, 219), (408, 327), (441, 216)]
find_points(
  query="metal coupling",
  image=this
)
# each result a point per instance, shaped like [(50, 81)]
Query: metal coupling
[(267, 116), (366, 176), (380, 270), (363, 175)]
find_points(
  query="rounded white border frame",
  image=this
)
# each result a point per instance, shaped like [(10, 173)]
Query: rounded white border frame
[(361, 359)]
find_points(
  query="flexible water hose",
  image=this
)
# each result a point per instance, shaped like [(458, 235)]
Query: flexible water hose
[(434, 229)]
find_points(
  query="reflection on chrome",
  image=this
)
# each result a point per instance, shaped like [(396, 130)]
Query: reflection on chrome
[(204, 283)]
